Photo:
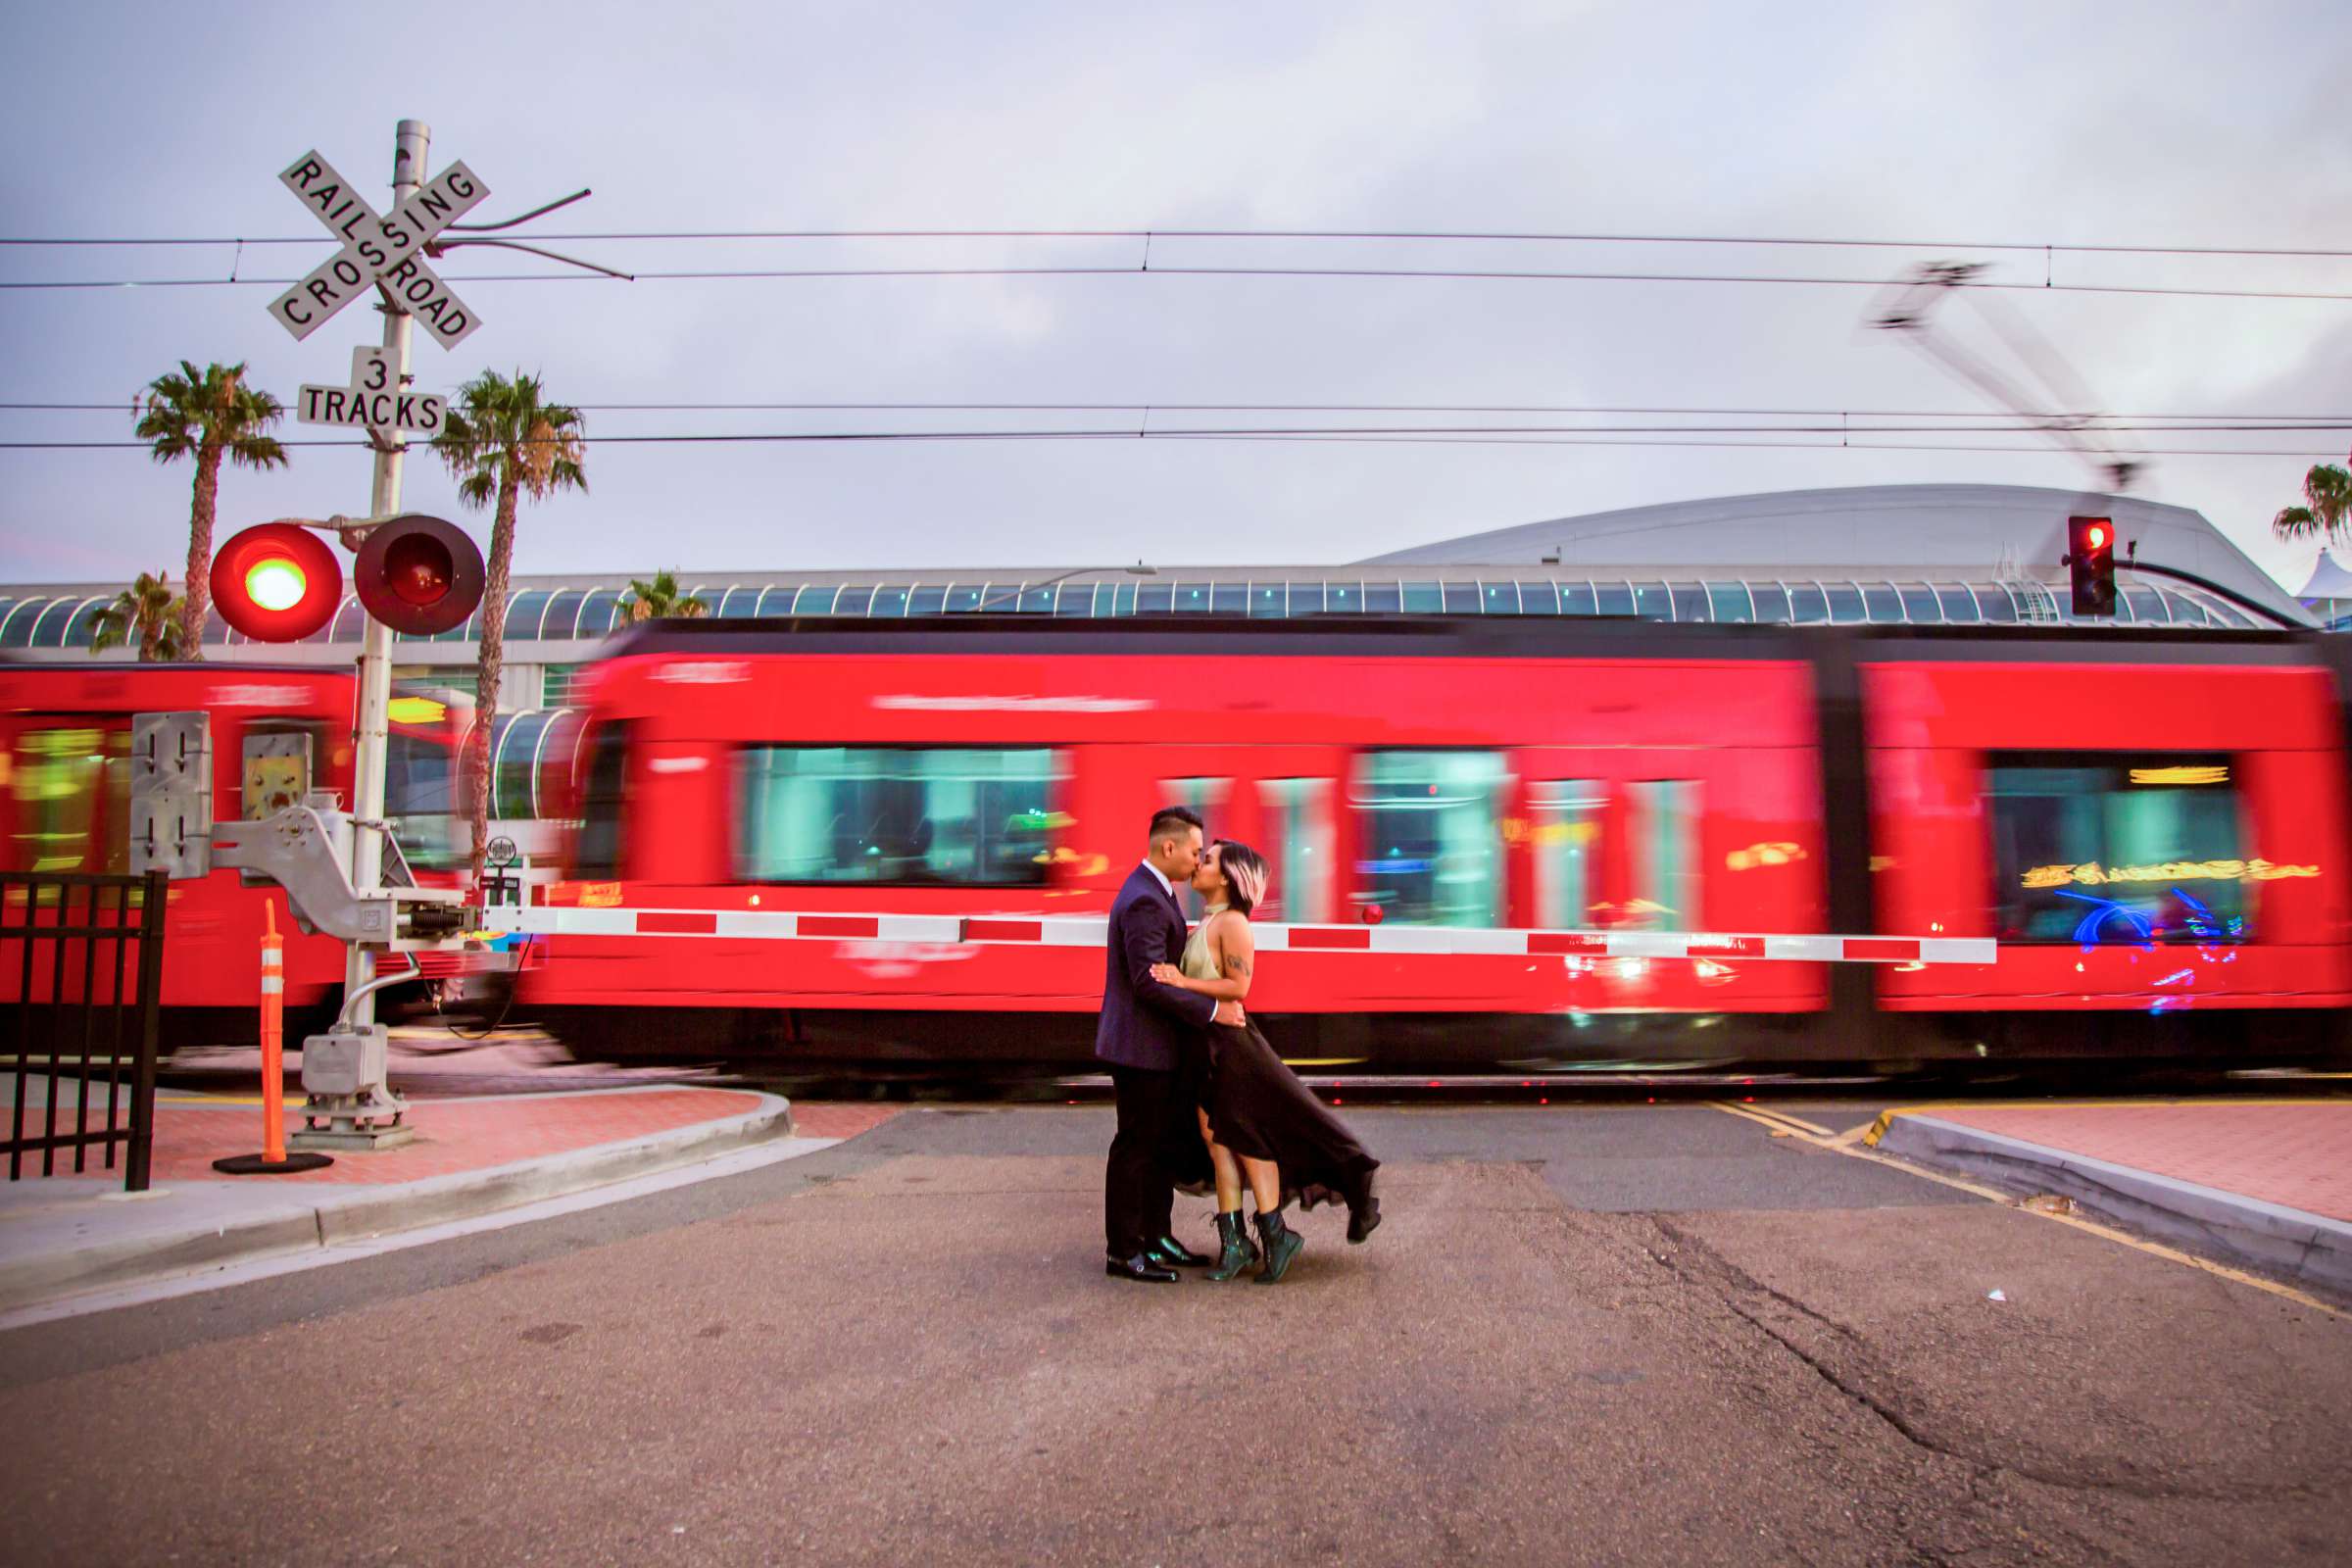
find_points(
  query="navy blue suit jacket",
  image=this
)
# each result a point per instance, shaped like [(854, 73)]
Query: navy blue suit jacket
[(1147, 1024)]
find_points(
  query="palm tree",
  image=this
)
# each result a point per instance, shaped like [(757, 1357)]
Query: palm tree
[(209, 414), (660, 600), (146, 613), (2328, 492), (501, 440)]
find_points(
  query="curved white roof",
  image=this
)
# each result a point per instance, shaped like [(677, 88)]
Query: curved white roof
[(1892, 528)]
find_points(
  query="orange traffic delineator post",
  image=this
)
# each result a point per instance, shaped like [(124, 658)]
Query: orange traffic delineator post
[(273, 1160)]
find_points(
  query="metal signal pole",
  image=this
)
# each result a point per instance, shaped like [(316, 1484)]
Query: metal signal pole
[(371, 733)]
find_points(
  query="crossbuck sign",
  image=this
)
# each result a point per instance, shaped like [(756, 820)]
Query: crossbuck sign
[(389, 251)]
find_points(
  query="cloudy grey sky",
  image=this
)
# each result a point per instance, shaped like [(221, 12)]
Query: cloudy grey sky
[(2157, 123)]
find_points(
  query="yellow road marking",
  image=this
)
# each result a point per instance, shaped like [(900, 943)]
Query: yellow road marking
[(1780, 1118), (1748, 1114), (1323, 1061), (1842, 1145)]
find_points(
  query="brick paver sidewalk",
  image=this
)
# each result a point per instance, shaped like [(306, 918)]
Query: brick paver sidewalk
[(2297, 1154)]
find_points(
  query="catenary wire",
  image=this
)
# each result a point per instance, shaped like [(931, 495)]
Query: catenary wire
[(1441, 273), (1475, 235)]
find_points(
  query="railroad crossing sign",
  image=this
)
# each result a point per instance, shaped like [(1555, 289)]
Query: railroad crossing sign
[(374, 399), (389, 251)]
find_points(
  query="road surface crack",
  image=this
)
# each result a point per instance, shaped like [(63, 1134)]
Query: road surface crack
[(1741, 1293)]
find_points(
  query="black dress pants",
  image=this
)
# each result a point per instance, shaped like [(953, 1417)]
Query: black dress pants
[(1139, 1203), (1157, 1147)]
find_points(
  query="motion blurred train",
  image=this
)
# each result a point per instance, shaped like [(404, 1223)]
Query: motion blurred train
[(2151, 826), (276, 732)]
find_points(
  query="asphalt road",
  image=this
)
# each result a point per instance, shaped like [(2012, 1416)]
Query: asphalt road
[(1610, 1335)]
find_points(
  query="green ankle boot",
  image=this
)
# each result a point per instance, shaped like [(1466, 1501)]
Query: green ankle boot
[(1235, 1250), (1281, 1243)]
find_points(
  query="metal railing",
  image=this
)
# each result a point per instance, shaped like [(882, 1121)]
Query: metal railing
[(81, 963)]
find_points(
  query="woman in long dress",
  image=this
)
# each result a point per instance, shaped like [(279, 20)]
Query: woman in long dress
[(1262, 1124)]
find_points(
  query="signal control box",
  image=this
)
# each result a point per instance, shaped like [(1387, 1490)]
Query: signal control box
[(172, 794), (306, 850)]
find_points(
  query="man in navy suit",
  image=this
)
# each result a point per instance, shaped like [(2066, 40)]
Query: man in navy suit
[(1151, 1036)]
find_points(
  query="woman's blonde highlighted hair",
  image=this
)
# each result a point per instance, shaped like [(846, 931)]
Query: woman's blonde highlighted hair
[(1244, 873)]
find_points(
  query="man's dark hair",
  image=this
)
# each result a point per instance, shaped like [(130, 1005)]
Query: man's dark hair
[(1170, 821)]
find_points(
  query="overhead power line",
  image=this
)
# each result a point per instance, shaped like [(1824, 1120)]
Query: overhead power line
[(1829, 438), (1458, 274), (1146, 406), (1483, 236)]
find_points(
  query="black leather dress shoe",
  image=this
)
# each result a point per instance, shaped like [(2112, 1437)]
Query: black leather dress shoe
[(1169, 1252), (1140, 1268)]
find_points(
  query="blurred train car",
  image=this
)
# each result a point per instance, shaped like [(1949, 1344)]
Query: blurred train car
[(276, 732), (2152, 825)]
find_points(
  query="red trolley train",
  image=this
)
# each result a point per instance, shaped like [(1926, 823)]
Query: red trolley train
[(2153, 826)]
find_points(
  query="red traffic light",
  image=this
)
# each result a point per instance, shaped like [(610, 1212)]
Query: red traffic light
[(419, 575), (2091, 564), (277, 582)]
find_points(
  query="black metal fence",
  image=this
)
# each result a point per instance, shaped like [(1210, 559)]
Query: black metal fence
[(82, 963)]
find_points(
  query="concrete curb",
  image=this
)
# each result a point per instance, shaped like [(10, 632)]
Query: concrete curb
[(325, 1217), (2290, 1242)]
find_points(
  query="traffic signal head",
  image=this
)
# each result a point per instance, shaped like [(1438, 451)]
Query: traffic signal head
[(277, 582), (419, 575), (2090, 563)]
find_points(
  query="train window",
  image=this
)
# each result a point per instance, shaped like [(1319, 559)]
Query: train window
[(1651, 601), (873, 815), (73, 800), (604, 793), (1423, 598), (1432, 840), (2106, 851), (1384, 598), (1565, 829), (421, 798), (1665, 860), (1845, 603), (1298, 815)]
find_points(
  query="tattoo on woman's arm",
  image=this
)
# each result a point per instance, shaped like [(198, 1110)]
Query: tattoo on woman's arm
[(1237, 966)]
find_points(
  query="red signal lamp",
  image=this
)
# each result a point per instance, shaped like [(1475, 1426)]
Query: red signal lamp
[(2091, 564), (277, 582), (419, 575)]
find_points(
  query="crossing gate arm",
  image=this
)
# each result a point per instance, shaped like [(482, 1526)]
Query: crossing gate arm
[(1091, 931)]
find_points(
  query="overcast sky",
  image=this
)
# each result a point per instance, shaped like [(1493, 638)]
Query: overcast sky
[(2174, 124)]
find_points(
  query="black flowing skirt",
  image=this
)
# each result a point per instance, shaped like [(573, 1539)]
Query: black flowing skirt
[(1259, 1107)]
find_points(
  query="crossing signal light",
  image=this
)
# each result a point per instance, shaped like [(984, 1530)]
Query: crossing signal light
[(277, 582), (2090, 562), (419, 575)]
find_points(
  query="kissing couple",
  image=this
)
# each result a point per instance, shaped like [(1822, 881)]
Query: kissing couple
[(1202, 1099)]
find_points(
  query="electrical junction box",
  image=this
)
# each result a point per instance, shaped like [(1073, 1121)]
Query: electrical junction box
[(347, 1061), (172, 794)]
